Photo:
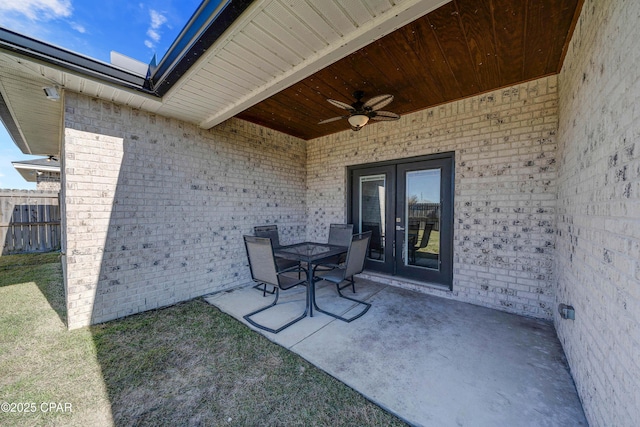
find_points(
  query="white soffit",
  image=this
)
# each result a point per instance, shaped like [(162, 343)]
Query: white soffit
[(30, 172), (277, 43), (39, 120)]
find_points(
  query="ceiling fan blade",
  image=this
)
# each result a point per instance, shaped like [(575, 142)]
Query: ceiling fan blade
[(378, 102), (341, 104), (333, 119), (385, 115)]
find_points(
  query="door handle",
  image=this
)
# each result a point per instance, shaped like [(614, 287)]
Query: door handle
[(399, 228)]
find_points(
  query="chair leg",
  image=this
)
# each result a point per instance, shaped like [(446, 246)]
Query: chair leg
[(248, 318), (367, 306), (263, 286), (264, 289), (350, 282)]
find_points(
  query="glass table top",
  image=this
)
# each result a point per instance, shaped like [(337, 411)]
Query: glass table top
[(309, 251)]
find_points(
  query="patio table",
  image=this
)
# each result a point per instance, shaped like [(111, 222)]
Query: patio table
[(310, 253)]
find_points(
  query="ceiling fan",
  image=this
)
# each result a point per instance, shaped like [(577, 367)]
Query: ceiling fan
[(360, 112)]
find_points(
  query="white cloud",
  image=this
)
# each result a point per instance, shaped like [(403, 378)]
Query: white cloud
[(78, 27), (157, 21), (153, 35), (38, 10)]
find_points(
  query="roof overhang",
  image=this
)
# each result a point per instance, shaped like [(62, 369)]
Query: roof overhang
[(31, 169), (230, 56), (274, 45), (29, 66), (275, 63)]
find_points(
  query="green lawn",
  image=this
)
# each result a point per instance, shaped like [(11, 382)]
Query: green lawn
[(433, 247), (188, 364)]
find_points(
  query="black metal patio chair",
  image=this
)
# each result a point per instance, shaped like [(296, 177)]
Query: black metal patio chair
[(418, 229), (339, 235), (271, 231), (353, 265), (263, 267), (375, 246)]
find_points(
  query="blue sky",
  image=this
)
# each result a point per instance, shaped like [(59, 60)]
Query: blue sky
[(93, 28), (425, 185)]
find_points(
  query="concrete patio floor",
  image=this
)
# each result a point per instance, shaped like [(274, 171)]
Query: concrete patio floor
[(429, 360)]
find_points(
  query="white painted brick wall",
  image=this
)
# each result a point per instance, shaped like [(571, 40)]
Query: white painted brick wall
[(505, 188), (48, 181), (598, 254), (156, 208)]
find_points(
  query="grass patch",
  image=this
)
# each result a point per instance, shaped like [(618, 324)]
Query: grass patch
[(188, 364), (433, 247), (40, 361)]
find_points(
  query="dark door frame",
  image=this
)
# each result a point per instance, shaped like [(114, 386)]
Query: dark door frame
[(447, 220), (386, 264)]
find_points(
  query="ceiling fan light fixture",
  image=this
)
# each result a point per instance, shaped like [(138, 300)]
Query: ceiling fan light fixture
[(360, 112), (357, 121)]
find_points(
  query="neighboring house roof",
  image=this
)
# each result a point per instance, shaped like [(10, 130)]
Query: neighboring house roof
[(29, 169), (275, 63)]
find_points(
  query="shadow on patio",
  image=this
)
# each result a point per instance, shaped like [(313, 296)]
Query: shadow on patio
[(429, 360)]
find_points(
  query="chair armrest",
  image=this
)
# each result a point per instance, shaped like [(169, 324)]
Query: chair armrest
[(325, 267), (292, 268)]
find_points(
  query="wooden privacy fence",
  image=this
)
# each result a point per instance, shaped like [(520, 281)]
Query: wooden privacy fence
[(430, 212), (29, 221)]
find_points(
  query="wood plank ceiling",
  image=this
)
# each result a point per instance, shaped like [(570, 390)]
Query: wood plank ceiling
[(463, 48), (275, 44)]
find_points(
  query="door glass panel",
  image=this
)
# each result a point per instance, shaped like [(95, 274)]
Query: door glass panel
[(372, 213), (422, 215)]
